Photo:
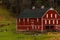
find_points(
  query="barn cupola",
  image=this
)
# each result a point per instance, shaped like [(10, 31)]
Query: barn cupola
[(42, 7), (51, 9), (33, 7)]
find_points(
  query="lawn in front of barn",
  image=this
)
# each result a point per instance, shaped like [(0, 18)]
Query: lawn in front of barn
[(8, 30), (46, 36)]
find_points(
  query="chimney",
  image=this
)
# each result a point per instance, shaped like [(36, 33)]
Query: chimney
[(42, 7), (33, 7)]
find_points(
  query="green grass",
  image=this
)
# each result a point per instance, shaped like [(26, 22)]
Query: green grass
[(4, 12), (38, 37), (9, 35)]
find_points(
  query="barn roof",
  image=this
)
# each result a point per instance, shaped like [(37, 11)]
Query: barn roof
[(29, 13)]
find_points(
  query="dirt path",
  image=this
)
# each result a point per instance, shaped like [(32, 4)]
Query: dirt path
[(56, 36)]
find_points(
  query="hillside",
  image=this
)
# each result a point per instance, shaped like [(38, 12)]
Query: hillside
[(7, 25)]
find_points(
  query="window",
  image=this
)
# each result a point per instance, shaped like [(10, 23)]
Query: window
[(19, 19), (35, 27), (47, 16), (49, 21), (38, 27), (53, 21), (27, 19), (55, 15), (37, 19), (57, 21), (51, 15), (27, 28), (32, 26), (45, 21), (23, 20)]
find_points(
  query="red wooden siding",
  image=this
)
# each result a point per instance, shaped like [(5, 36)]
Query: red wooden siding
[(53, 17), (32, 24), (53, 12), (59, 22)]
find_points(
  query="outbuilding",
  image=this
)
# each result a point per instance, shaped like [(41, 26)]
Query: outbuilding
[(46, 19)]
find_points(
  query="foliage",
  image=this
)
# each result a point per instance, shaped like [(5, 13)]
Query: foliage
[(16, 6)]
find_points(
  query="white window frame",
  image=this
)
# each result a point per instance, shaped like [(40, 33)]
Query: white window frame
[(23, 20), (49, 21), (27, 19), (37, 19), (53, 21), (32, 26), (57, 21), (51, 15), (35, 27), (47, 16), (55, 15), (38, 27), (19, 19), (45, 21), (27, 28)]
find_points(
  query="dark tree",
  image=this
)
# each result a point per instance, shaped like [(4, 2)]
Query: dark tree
[(6, 3)]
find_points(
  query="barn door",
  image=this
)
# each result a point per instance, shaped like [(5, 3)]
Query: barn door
[(49, 28)]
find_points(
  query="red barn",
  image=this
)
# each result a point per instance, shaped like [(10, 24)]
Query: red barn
[(41, 20)]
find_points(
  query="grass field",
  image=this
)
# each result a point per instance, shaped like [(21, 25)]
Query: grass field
[(47, 36), (8, 32)]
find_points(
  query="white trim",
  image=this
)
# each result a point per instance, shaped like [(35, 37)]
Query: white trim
[(21, 30), (47, 11), (38, 27), (41, 24), (29, 25), (51, 19)]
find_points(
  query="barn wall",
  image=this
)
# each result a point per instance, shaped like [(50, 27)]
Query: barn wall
[(29, 25), (51, 19), (36, 24)]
